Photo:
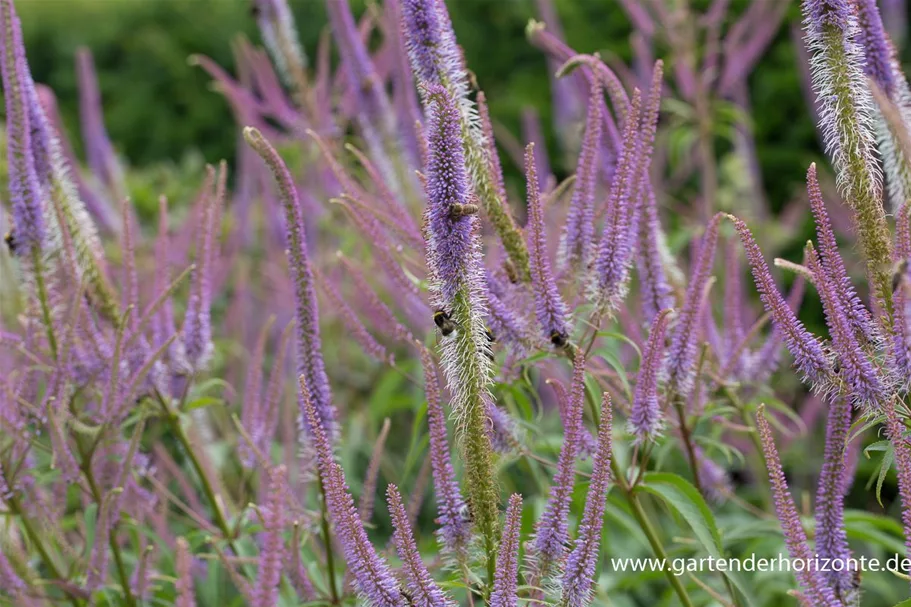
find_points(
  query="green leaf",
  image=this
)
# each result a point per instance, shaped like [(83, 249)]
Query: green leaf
[(678, 493)]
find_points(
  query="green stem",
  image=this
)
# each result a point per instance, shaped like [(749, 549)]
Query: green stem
[(688, 443), (44, 301)]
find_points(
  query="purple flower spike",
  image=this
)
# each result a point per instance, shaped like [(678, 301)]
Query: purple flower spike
[(551, 533), (645, 419), (186, 596), (878, 50), (505, 584), (809, 355), (454, 527), (99, 152), (860, 318), (901, 338), (655, 292), (813, 583), (435, 58), (864, 383), (895, 430), (579, 231), (25, 190), (579, 574), (550, 309), (309, 349), (681, 357), (422, 589), (372, 576), (271, 543), (831, 536)]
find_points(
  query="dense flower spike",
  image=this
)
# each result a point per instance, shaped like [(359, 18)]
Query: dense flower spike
[(505, 585), (372, 576), (579, 231), (309, 349), (681, 357), (863, 379), (551, 532), (99, 151), (579, 573), (454, 528), (276, 24), (645, 418), (860, 318), (901, 337), (454, 257), (809, 355), (812, 581), (186, 595), (550, 310), (422, 590), (896, 431), (655, 292), (845, 105), (271, 544)]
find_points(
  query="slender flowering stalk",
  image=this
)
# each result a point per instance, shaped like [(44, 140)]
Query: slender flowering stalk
[(579, 573), (895, 430), (552, 533), (901, 337), (579, 230), (811, 580), (276, 24), (655, 292), (505, 585), (98, 149), (865, 386), (831, 535), (186, 597), (271, 544), (309, 349), (809, 356), (453, 527), (645, 418), (454, 258), (423, 591), (368, 491), (681, 357), (372, 576), (845, 105), (550, 310), (860, 318)]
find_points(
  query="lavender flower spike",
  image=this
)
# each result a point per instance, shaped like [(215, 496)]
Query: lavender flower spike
[(99, 152), (858, 315), (579, 574), (458, 283), (272, 544), (895, 430), (845, 105), (814, 585), (901, 338), (309, 349), (550, 309), (372, 575), (422, 589), (25, 190), (454, 530), (186, 596), (551, 533), (505, 585), (681, 357), (864, 383), (579, 231), (645, 419), (808, 353)]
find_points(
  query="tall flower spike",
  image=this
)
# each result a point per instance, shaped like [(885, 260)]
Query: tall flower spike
[(505, 585), (809, 355), (276, 24), (831, 535), (186, 596), (645, 417), (25, 189), (453, 526), (423, 591), (579, 230), (271, 542), (812, 581), (901, 338), (895, 430), (845, 104), (655, 292), (99, 152), (550, 310), (454, 259), (579, 573), (372, 576), (864, 382), (551, 533), (681, 356), (858, 315), (309, 349)]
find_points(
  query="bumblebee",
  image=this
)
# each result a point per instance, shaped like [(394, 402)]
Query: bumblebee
[(491, 339), (10, 241), (559, 339), (490, 336), (457, 210), (511, 273), (442, 320)]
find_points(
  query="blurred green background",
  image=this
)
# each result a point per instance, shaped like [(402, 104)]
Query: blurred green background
[(159, 110)]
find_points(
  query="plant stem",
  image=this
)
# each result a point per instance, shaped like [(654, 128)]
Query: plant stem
[(43, 301), (330, 554), (688, 443)]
